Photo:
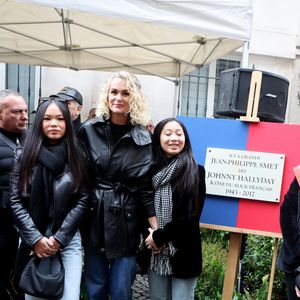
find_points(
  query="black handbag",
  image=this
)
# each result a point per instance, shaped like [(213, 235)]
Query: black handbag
[(297, 278), (44, 277), (143, 257)]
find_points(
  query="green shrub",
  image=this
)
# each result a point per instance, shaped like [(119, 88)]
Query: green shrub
[(216, 236), (210, 283), (260, 294), (256, 268)]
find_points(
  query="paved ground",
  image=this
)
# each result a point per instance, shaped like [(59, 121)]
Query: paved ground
[(140, 288)]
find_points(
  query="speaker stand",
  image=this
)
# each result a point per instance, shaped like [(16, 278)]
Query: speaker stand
[(253, 98)]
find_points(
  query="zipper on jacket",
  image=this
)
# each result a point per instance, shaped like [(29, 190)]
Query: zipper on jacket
[(109, 150)]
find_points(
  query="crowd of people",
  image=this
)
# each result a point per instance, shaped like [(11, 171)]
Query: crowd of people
[(89, 190), (99, 191)]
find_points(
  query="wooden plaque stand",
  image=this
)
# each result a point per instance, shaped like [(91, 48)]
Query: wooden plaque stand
[(233, 257), (253, 98)]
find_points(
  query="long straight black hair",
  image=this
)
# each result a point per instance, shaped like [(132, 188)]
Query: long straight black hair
[(187, 183), (35, 138)]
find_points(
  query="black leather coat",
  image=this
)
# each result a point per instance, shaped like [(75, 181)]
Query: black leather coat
[(7, 155), (289, 255), (69, 210), (122, 186)]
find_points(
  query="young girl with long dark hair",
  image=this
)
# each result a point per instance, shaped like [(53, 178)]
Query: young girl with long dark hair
[(49, 192), (179, 185)]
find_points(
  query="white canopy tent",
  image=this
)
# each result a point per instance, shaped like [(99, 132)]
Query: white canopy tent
[(166, 38)]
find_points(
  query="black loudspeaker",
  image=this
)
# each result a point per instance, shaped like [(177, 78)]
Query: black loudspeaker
[(234, 91)]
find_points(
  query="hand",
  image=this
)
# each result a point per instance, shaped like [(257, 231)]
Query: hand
[(153, 222), (44, 248), (56, 244), (297, 292), (150, 244)]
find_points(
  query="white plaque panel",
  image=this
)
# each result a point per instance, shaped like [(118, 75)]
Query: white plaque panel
[(244, 174)]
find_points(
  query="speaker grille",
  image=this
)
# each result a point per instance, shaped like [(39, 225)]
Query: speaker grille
[(234, 91)]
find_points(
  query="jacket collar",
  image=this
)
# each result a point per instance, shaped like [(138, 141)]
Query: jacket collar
[(140, 135)]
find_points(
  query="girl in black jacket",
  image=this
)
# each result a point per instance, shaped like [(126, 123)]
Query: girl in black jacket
[(48, 192), (179, 184)]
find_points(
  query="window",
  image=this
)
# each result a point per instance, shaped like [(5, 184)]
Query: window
[(21, 78), (194, 93), (195, 85)]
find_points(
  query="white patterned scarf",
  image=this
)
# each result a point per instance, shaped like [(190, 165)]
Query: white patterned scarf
[(160, 263)]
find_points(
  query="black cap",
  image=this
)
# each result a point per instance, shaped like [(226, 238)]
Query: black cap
[(69, 93)]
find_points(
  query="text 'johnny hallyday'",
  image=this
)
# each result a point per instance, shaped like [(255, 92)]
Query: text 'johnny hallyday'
[(242, 164)]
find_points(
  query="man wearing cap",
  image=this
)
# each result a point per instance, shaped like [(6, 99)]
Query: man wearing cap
[(74, 101), (13, 122)]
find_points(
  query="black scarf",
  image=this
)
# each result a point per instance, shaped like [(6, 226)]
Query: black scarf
[(51, 162)]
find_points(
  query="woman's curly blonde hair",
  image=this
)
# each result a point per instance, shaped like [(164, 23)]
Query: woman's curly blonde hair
[(138, 111)]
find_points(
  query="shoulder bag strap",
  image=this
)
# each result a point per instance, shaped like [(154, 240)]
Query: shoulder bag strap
[(9, 142)]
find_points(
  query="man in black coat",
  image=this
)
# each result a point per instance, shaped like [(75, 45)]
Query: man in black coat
[(13, 122)]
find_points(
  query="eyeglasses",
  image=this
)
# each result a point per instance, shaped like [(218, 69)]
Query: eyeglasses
[(45, 99)]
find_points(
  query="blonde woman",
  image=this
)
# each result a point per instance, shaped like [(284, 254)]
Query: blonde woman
[(119, 148)]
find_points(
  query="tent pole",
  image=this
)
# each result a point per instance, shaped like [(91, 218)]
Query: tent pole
[(245, 57), (40, 83), (177, 82)]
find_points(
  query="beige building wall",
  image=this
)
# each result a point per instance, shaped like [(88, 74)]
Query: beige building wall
[(160, 93)]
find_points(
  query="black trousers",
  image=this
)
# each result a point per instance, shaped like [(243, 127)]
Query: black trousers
[(8, 251), (290, 286)]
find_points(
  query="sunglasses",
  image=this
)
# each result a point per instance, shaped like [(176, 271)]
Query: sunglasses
[(45, 99)]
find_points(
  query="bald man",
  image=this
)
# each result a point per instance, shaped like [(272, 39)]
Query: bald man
[(13, 122)]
